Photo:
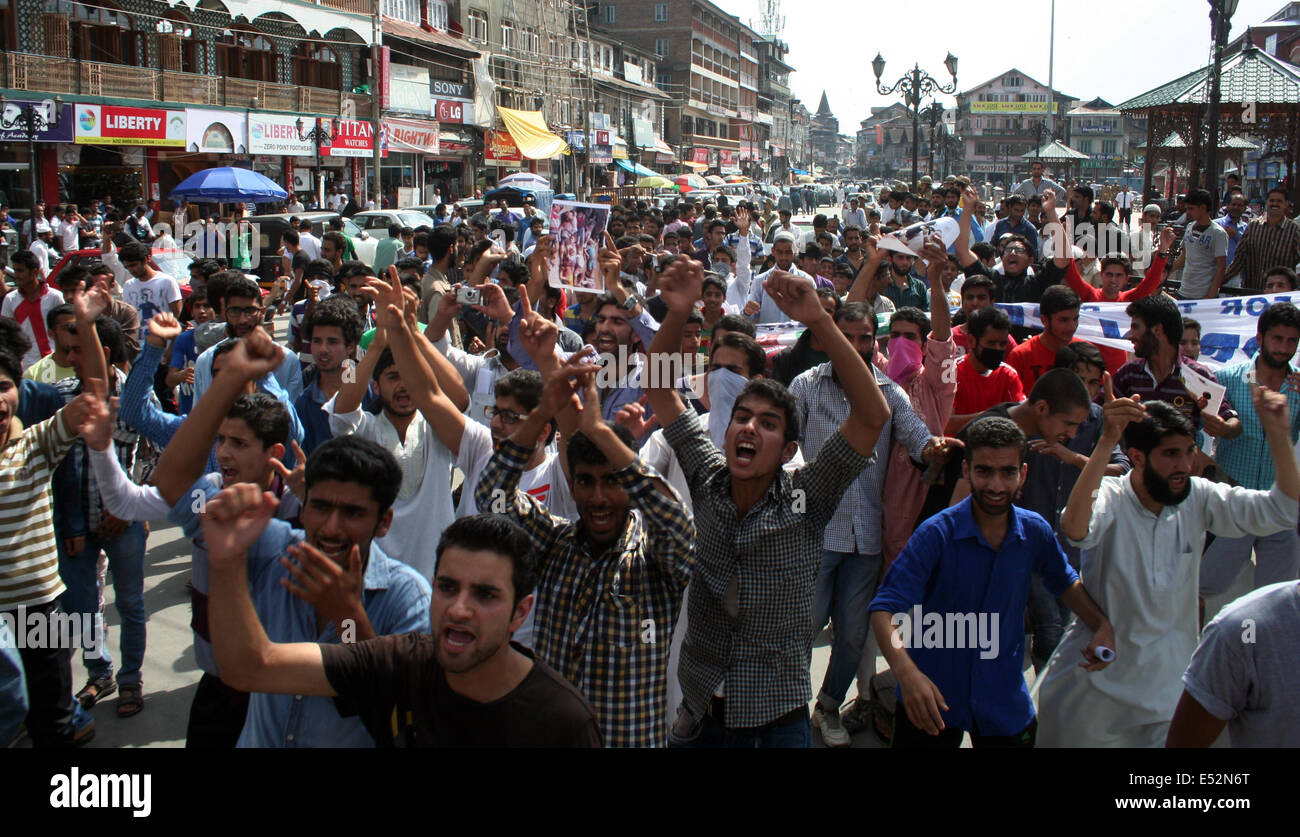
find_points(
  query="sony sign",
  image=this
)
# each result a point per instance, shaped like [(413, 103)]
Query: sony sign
[(450, 88)]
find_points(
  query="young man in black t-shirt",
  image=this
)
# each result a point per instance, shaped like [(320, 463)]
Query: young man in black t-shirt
[(465, 685)]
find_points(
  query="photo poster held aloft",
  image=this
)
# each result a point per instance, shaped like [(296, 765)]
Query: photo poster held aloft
[(577, 236)]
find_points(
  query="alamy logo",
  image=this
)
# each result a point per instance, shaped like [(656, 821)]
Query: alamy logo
[(38, 629), (955, 631), (102, 790)]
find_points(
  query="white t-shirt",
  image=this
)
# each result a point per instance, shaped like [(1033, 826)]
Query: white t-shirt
[(152, 297), (546, 482), (70, 235), (39, 249), (423, 506), (309, 244)]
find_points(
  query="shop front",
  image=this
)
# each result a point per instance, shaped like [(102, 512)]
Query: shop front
[(347, 146), (118, 151), (16, 163), (284, 149), (410, 143), (452, 169)]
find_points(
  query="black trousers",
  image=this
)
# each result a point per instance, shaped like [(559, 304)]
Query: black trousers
[(50, 705), (909, 736), (216, 715)]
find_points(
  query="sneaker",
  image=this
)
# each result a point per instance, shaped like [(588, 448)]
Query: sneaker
[(83, 727), (857, 716), (828, 722)]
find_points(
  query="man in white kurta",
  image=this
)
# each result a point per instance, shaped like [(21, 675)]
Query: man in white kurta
[(1142, 568)]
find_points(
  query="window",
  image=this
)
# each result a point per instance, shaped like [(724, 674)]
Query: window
[(97, 33), (438, 14), (531, 40), (507, 34), (661, 47), (610, 10), (555, 48), (1085, 145), (245, 54), (1013, 81), (664, 80), (478, 26), (315, 66), (1108, 147), (407, 11), (661, 12)]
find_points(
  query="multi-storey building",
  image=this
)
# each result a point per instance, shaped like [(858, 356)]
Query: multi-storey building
[(1005, 118), (152, 92), (774, 99), (1098, 130), (702, 52)]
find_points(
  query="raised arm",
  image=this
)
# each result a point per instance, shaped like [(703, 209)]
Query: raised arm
[(679, 287), (88, 307), (443, 416), (969, 197), (185, 457), (1117, 414), (867, 274), (940, 317), (868, 409), (1275, 416), (354, 388)]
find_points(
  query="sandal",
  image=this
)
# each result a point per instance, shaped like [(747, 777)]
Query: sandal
[(131, 701), (95, 690)]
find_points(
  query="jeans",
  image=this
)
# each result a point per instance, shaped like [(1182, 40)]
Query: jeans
[(126, 562), (51, 708), (1045, 614), (709, 733), (1277, 558), (845, 586), (909, 736)]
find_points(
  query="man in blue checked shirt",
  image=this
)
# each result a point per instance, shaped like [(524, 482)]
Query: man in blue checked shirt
[(969, 568), (1245, 457)]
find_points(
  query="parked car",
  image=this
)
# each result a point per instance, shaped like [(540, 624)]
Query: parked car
[(376, 221), (175, 263), (270, 227)]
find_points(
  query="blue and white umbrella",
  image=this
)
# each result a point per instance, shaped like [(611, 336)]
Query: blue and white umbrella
[(525, 180)]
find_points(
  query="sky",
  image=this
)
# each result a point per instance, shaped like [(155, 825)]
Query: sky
[(1113, 49)]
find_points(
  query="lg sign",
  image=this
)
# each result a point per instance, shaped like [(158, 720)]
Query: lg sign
[(450, 111)]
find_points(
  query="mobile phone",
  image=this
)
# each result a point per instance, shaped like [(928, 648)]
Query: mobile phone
[(469, 296)]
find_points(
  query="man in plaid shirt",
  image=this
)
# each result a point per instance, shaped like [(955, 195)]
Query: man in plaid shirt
[(610, 586), (1246, 459), (745, 659)]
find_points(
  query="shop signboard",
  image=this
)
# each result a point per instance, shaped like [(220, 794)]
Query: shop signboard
[(411, 135), (347, 138), (499, 149), (119, 125), (280, 135), (13, 121)]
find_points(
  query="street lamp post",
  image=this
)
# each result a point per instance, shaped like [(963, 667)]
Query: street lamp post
[(935, 113), (914, 85), (320, 134), (1221, 12), (34, 118)]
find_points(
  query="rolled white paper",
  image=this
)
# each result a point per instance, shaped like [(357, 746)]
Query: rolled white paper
[(1104, 654)]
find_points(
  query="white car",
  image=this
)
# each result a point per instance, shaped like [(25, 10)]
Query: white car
[(376, 221)]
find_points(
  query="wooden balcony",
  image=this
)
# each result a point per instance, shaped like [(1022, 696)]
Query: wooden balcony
[(44, 74)]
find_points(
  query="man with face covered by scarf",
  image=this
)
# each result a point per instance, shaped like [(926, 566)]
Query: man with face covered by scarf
[(1142, 536)]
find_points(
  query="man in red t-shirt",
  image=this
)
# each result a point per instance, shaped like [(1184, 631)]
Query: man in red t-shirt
[(1059, 312), (28, 304), (976, 293), (982, 378)]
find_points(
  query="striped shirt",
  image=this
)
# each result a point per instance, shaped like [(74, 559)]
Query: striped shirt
[(29, 560), (605, 621), (1263, 247)]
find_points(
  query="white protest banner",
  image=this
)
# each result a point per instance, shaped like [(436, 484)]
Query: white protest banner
[(1228, 324)]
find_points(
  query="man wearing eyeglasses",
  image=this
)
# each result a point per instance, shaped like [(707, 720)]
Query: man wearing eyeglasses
[(243, 312)]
